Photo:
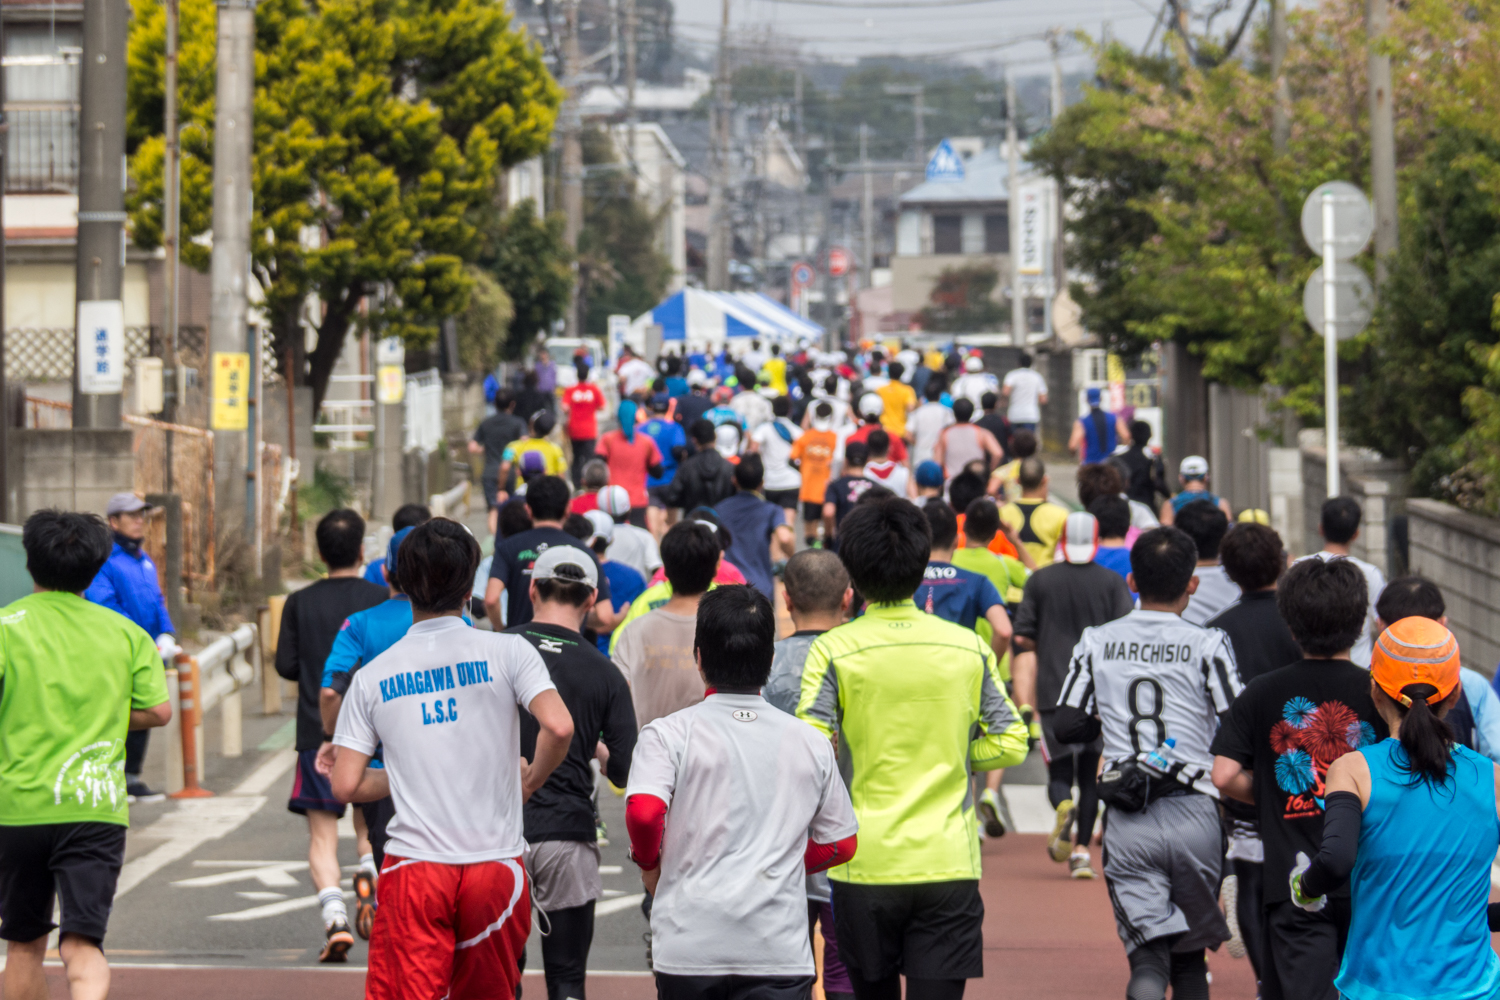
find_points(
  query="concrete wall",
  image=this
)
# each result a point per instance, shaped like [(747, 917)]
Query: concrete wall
[(1378, 483), (72, 469), (1460, 552), (912, 278), (1238, 457)]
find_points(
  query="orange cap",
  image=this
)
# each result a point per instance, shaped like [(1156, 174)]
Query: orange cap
[(1415, 651)]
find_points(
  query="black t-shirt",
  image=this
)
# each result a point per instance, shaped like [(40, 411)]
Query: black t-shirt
[(599, 700), (690, 408), (529, 401), (1059, 602), (1287, 727), (512, 567), (1262, 642), (844, 492), (998, 426), (309, 623), (495, 432)]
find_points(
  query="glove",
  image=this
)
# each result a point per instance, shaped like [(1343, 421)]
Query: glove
[(167, 646), (1310, 904), (1033, 727)]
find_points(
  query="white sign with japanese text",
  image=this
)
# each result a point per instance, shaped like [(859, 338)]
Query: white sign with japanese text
[(101, 347)]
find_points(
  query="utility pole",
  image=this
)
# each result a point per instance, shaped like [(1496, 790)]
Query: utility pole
[(170, 176), (1382, 138), (720, 242), (100, 271), (917, 93), (1013, 212), (801, 140), (1059, 261), (572, 152), (229, 269), (867, 205), (630, 31), (1281, 110)]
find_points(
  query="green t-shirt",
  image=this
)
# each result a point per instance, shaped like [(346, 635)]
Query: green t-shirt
[(1008, 574), (70, 674)]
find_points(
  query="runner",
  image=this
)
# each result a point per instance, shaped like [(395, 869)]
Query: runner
[(994, 422), (813, 454), (510, 569), (1206, 525), (453, 918), (1059, 603), (1025, 393), (633, 457), (1037, 520), (1193, 475), (671, 440), (881, 468), (562, 853), (1113, 515), (757, 526), (595, 477), (898, 400), (1096, 434), (310, 622), (845, 491), (625, 584), (1005, 482), (1418, 927), (908, 904), (958, 595), (408, 515), (582, 402), (1274, 751), (552, 461), (928, 421), (975, 383), (1145, 478), (128, 584), (1139, 682), (963, 442), (756, 800), (493, 435), (704, 478), (1339, 526), (75, 678), (629, 545), (773, 442)]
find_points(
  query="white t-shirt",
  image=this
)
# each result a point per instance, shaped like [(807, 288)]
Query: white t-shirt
[(1026, 389), (637, 374), (973, 385), (926, 424), (909, 360), (1364, 646), (747, 786), (892, 475), (444, 702), (755, 360), (636, 548), (753, 409), (775, 451), (1215, 593)]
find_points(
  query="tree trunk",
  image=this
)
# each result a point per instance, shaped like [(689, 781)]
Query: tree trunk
[(331, 334)]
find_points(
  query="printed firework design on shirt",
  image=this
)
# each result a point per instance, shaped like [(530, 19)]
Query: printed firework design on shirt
[(1307, 739)]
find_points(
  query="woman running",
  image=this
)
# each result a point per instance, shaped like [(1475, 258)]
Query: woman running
[(632, 456), (1413, 818)]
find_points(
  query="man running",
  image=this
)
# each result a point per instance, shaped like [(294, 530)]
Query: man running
[(1025, 393), (493, 435), (908, 904), (1193, 475), (310, 622), (1036, 519), (1153, 687), (75, 679), (1339, 526), (444, 703), (510, 570), (1206, 525), (562, 848)]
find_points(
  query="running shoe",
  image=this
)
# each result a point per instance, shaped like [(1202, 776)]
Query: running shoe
[(601, 833), (364, 903), (1080, 866), (137, 790), (989, 813), (336, 943), (1229, 898), (1060, 843)]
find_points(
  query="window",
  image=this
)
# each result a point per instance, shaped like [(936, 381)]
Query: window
[(997, 233), (41, 105), (948, 234)]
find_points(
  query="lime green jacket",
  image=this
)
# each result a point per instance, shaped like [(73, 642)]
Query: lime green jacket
[(915, 703)]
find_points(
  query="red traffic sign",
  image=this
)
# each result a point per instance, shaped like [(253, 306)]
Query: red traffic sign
[(802, 274), (838, 262)]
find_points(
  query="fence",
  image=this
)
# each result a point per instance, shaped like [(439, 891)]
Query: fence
[(192, 479), (47, 354), (48, 414)]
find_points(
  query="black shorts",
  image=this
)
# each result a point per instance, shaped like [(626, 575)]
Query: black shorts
[(491, 486), (785, 499), (924, 930), (310, 790), (78, 862), (812, 513), (637, 517), (1303, 951), (1054, 748), (670, 987), (655, 498)]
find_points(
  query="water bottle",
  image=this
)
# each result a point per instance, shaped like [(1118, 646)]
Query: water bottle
[(1160, 759)]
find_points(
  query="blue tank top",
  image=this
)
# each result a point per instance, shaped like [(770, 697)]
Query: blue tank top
[(1421, 884), (1186, 497)]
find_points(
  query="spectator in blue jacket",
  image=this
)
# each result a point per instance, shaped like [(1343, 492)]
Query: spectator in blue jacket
[(128, 584)]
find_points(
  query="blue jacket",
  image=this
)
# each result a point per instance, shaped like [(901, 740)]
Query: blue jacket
[(128, 584)]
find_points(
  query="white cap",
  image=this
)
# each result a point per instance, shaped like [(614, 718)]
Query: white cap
[(1193, 467), (727, 439), (696, 377), (871, 405), (614, 501), (603, 524), (565, 562), (1080, 537), (973, 363)]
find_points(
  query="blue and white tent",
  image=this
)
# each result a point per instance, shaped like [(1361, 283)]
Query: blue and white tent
[(715, 319)]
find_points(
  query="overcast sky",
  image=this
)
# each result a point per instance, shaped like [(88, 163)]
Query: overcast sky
[(974, 32)]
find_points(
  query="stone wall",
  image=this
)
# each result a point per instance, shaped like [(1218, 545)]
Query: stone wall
[(1460, 552), (71, 469), (1378, 483)]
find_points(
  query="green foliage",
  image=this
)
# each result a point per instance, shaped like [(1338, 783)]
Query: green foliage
[(483, 326), (328, 491), (380, 128), (962, 303), (621, 266), (530, 259)]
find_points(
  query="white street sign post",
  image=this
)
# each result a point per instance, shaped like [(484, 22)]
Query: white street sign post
[(1330, 349)]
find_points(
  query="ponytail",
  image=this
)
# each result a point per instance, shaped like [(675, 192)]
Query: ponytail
[(1426, 739)]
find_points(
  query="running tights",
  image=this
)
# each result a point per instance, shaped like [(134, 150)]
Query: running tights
[(1060, 779), (889, 988), (565, 951), (1153, 966)]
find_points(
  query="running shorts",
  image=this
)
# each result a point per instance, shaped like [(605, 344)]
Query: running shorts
[(812, 513), (654, 497), (1163, 867), (922, 930), (1054, 748), (670, 987), (76, 864), (454, 931), (785, 499), (1303, 951), (564, 873), (310, 790)]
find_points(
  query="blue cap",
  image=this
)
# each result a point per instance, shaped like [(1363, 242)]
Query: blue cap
[(1093, 395), (929, 474), (390, 550)]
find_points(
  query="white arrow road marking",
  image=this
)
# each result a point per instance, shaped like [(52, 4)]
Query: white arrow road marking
[(260, 897), (271, 876), (605, 907), (272, 909)]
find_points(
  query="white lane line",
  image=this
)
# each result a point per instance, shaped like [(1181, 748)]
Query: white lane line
[(271, 909), (260, 897), (605, 907), (270, 876), (611, 870), (196, 821)]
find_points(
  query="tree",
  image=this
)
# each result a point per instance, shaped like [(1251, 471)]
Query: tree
[(483, 326), (530, 259), (961, 301), (380, 130)]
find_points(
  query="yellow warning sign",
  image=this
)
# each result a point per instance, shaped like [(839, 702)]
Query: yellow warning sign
[(390, 386), (231, 410)]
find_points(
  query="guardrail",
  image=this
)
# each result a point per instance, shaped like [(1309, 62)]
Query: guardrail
[(213, 678), (448, 504)]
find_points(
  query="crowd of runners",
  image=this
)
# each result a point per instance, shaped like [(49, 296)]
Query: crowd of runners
[(1281, 756)]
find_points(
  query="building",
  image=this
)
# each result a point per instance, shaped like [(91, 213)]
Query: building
[(661, 183)]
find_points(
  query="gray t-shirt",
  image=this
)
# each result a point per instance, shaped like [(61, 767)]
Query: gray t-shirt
[(655, 653), (784, 686), (1215, 593), (1059, 602)]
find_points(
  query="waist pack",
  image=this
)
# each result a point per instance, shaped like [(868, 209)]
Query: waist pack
[(1130, 787)]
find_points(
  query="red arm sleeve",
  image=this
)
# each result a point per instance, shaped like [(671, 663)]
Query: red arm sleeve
[(646, 821), (820, 857)]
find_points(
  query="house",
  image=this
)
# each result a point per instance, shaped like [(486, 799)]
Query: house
[(661, 182)]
